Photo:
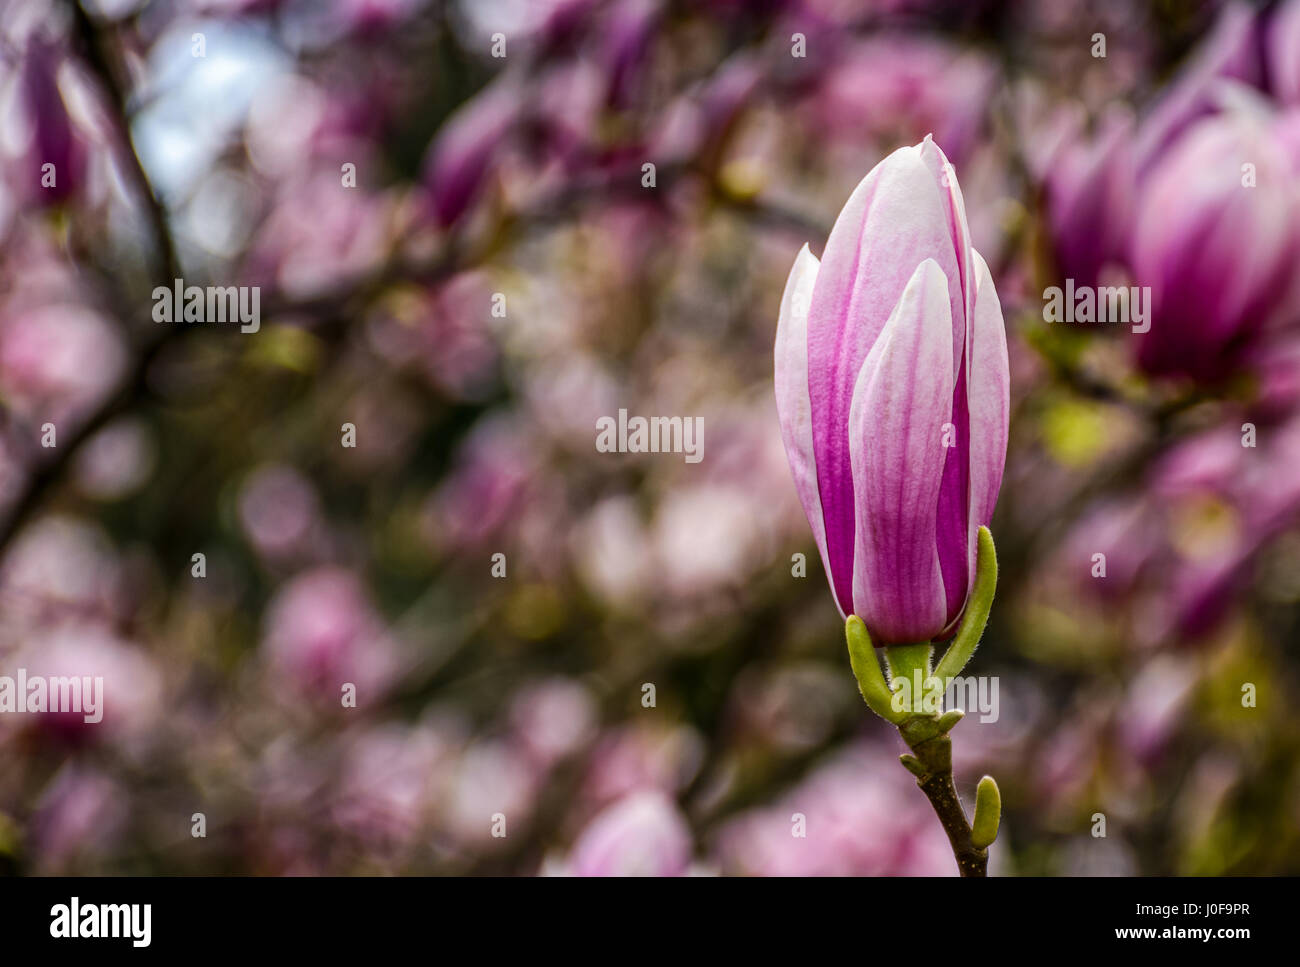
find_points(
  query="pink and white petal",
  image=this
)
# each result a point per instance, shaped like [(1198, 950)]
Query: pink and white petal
[(896, 218), (792, 403), (989, 398), (946, 176), (901, 404), (954, 543)]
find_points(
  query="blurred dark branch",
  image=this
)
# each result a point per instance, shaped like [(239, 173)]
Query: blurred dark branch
[(41, 478), (770, 214), (99, 57), (460, 252)]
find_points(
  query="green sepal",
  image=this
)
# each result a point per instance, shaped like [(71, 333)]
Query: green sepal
[(866, 668), (977, 611)]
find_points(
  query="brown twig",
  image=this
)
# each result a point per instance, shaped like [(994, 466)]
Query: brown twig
[(167, 265), (933, 769), (98, 57)]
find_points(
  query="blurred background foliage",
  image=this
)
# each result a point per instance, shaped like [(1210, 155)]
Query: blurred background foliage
[(212, 139)]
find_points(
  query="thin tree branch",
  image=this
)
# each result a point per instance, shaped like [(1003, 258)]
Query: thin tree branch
[(99, 57), (96, 55), (934, 762)]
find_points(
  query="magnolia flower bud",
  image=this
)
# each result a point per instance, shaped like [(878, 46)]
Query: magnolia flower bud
[(461, 156), (892, 388), (1217, 244)]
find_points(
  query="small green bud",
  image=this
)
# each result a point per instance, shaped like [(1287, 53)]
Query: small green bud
[(913, 765), (988, 813)]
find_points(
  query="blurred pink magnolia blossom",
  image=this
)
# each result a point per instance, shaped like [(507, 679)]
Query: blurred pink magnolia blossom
[(80, 814), (52, 139), (642, 835), (322, 632), (853, 816)]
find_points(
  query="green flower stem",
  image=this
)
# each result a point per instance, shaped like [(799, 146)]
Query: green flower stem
[(926, 732), (909, 665)]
